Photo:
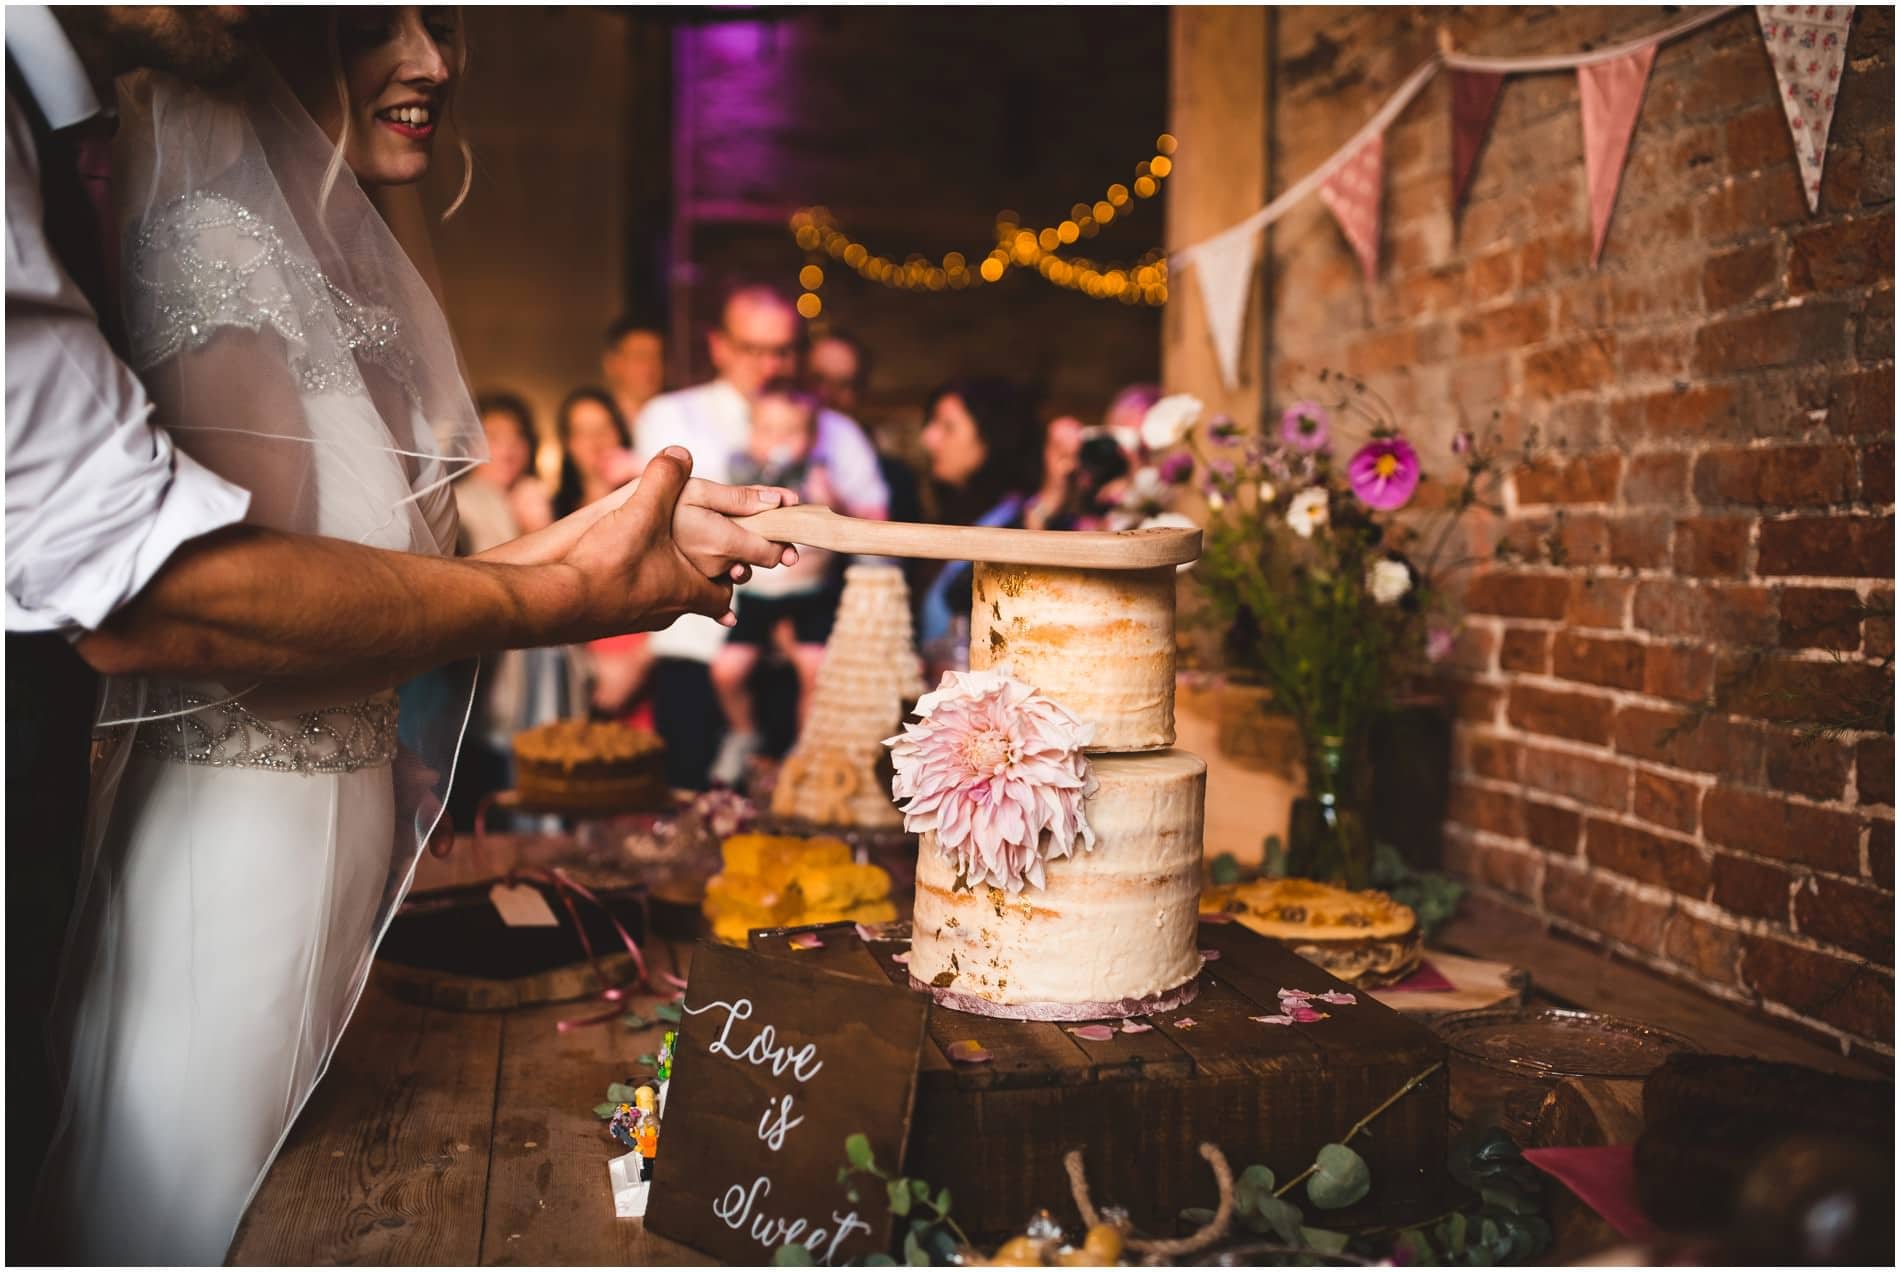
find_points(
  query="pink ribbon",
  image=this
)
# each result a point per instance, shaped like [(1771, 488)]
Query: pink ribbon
[(567, 889)]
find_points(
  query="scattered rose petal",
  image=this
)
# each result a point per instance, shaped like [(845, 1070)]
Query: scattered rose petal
[(1273, 1020), (1186, 1022), (902, 956), (1136, 1026), (1338, 998), (1216, 916), (806, 941), (1093, 1033), (968, 1051), (1210, 956), (1306, 1015)]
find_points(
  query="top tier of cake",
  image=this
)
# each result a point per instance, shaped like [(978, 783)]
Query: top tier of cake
[(1100, 642)]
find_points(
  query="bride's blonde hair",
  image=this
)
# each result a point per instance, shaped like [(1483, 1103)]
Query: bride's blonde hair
[(341, 80)]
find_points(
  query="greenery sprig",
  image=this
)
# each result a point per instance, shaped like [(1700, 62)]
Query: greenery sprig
[(932, 1236)]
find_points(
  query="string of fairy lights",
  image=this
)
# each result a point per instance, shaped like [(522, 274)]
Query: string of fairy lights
[(1016, 246)]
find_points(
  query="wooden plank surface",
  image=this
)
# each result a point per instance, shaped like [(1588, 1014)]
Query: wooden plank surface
[(1570, 974), (388, 1163)]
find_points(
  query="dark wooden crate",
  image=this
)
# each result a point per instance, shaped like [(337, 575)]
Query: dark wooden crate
[(1140, 1105)]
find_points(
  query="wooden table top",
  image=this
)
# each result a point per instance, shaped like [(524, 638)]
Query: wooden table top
[(446, 1137)]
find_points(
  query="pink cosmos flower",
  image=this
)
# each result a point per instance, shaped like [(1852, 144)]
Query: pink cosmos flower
[(1384, 473), (997, 771), (1305, 425), (1438, 643)]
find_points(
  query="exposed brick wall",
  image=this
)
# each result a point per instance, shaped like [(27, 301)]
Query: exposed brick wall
[(1715, 411)]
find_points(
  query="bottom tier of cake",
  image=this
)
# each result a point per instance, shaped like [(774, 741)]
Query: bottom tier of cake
[(1112, 932)]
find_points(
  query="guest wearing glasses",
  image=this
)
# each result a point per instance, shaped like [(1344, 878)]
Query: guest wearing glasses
[(758, 340)]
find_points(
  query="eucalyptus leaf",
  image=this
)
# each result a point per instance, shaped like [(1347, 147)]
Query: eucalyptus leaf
[(1284, 1218), (634, 1020), (1416, 1249), (649, 1060), (914, 1253), (1196, 1216), (1324, 1240), (669, 1012), (1340, 1177), (620, 1093), (920, 1190), (1254, 1185), (879, 1260), (1505, 1199), (792, 1256), (899, 1195), (1452, 1233), (857, 1150), (943, 1201), (605, 1110)]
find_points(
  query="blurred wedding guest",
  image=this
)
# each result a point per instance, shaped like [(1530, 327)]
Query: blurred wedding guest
[(986, 463), (756, 341), (1123, 422), (789, 609), (1052, 509), (517, 688), (597, 459), (633, 363), (596, 449), (839, 371)]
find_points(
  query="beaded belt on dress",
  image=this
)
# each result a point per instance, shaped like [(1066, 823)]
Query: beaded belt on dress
[(225, 735)]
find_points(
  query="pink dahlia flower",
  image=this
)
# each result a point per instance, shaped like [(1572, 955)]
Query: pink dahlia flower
[(997, 771), (1384, 473)]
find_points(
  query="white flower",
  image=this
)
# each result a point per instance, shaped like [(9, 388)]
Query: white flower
[(1168, 420), (1307, 512), (1388, 581), (1146, 490), (1267, 492), (1215, 500)]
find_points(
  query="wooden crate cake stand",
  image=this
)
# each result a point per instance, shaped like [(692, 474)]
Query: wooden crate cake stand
[(1139, 1105), (1088, 619)]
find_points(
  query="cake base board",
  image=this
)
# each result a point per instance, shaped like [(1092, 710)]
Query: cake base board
[(1140, 1104), (969, 1004)]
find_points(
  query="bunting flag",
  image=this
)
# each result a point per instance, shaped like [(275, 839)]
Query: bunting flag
[(1808, 46), (1612, 94), (1223, 267), (1354, 194), (1474, 100)]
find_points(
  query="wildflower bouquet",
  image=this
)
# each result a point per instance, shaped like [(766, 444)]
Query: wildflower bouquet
[(1320, 585)]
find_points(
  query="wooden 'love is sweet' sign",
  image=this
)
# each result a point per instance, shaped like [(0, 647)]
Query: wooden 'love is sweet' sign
[(777, 1062)]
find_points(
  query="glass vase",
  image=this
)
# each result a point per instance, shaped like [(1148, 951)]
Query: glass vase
[(1330, 837)]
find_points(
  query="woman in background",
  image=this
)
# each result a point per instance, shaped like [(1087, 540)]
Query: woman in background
[(597, 459), (518, 688), (985, 449)]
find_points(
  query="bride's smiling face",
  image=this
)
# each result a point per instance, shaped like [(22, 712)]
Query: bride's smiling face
[(398, 67)]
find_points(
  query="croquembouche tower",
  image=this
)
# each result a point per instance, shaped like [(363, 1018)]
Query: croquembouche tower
[(1066, 887)]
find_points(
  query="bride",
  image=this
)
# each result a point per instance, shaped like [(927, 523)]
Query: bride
[(247, 844)]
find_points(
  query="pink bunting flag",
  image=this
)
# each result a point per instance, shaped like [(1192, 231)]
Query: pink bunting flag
[(1807, 44), (1354, 194), (1474, 100), (1612, 94)]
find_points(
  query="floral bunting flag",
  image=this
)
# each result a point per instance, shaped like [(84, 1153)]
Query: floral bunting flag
[(1612, 94), (1474, 100), (1223, 268), (1354, 194), (1807, 44)]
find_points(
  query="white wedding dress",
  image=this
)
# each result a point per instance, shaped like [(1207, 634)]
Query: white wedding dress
[(247, 845)]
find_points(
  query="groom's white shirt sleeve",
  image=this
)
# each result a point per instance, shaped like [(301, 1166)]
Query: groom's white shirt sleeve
[(98, 497)]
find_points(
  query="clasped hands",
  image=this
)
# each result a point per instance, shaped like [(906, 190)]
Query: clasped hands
[(664, 545)]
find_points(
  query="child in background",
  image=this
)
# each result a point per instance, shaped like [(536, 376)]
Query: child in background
[(789, 608)]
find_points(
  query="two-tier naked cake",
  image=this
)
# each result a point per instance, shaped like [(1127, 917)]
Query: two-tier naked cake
[(1082, 924)]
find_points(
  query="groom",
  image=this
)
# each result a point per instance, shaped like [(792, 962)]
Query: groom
[(126, 558)]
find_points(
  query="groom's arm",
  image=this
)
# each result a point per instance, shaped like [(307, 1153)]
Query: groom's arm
[(249, 602)]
